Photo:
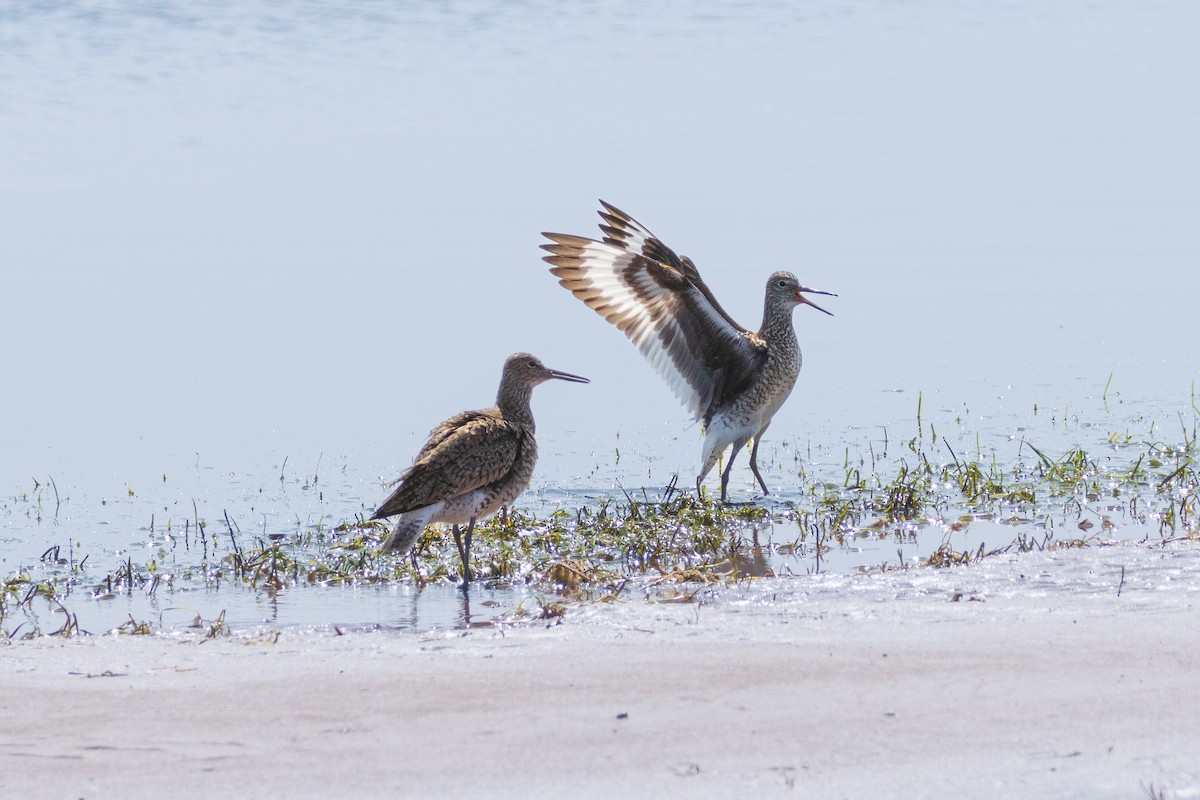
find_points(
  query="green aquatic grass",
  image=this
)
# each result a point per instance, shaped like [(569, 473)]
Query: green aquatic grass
[(601, 549), (598, 547), (592, 549)]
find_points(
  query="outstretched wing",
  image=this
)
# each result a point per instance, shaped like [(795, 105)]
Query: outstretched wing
[(627, 233), (700, 353), (464, 453)]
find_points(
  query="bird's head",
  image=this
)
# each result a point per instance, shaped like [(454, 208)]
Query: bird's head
[(785, 288), (528, 370)]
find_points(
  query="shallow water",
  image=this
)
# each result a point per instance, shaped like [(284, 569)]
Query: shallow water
[(252, 253)]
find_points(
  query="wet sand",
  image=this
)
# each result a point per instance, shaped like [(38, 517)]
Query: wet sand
[(1022, 676)]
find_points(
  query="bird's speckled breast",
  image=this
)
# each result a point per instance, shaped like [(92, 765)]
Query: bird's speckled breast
[(767, 394)]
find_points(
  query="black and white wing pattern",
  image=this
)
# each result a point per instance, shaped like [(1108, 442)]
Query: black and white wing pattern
[(627, 233), (702, 354)]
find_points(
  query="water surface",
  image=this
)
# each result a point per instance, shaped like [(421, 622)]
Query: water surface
[(249, 245)]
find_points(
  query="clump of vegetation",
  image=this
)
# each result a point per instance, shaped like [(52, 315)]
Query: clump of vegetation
[(21, 590), (597, 549), (668, 546), (587, 552)]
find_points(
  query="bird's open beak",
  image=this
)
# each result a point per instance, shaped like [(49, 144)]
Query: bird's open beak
[(802, 299), (566, 376)]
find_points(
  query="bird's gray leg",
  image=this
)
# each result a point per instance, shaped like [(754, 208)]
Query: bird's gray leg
[(466, 552), (458, 543), (729, 468), (708, 465), (754, 459), (710, 454)]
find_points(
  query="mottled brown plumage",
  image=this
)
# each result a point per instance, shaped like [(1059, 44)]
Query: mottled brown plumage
[(732, 379), (473, 463)]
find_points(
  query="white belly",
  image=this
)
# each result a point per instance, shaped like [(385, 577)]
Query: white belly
[(466, 507), (726, 430)]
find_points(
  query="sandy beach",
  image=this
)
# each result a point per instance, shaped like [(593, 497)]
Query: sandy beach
[(1021, 676)]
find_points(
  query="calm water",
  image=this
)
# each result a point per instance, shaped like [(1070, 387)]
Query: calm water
[(252, 252)]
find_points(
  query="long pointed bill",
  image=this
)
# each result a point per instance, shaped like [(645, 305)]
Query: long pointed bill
[(566, 376), (802, 299)]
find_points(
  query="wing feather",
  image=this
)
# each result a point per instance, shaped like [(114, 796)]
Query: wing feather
[(627, 233), (692, 345), (464, 453)]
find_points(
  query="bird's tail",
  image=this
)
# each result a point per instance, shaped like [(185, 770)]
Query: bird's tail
[(408, 529)]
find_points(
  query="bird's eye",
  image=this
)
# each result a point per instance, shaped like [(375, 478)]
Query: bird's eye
[(533, 363), (781, 282)]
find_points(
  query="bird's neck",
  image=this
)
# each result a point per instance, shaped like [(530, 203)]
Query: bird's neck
[(513, 403), (777, 323)]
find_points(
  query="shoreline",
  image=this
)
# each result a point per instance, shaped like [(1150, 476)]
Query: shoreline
[(1065, 673)]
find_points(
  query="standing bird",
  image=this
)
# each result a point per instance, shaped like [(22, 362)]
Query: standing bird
[(474, 463), (733, 380)]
